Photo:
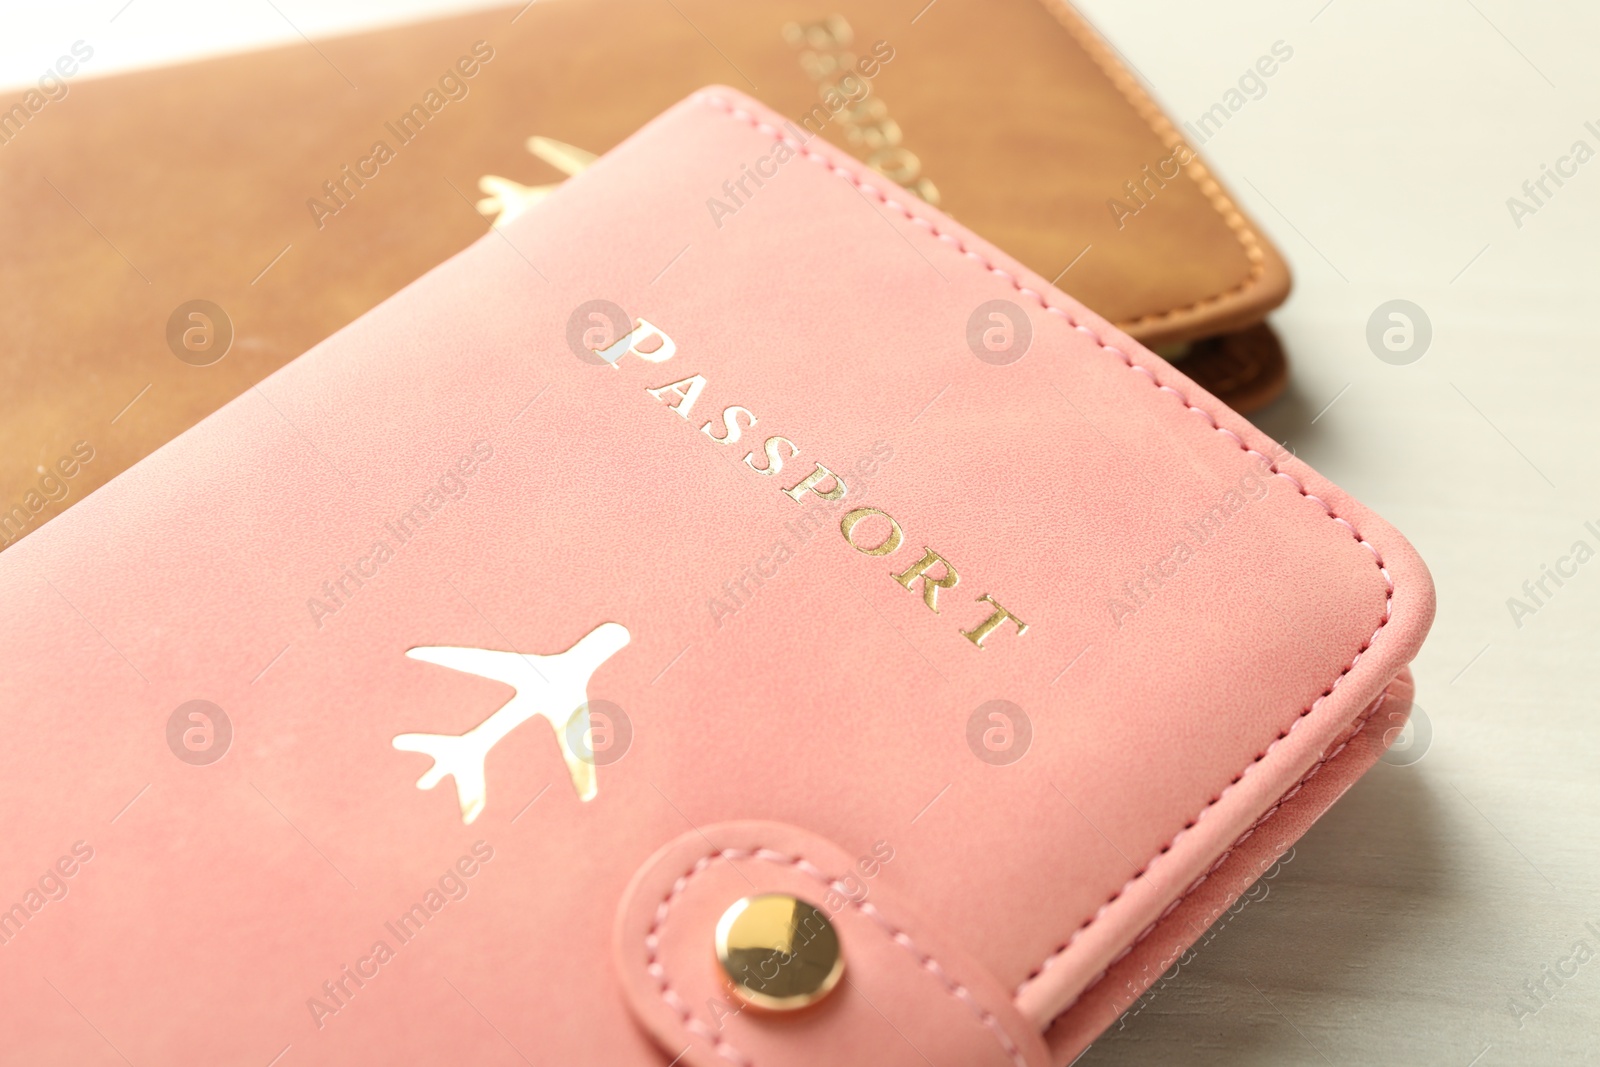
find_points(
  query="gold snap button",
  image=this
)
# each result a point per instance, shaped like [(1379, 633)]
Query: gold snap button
[(779, 952)]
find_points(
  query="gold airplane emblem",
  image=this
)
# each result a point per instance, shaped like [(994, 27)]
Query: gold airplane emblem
[(506, 199), (550, 687)]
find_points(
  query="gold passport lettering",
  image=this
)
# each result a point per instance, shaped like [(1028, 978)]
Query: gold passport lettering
[(928, 576), (844, 84), (931, 585)]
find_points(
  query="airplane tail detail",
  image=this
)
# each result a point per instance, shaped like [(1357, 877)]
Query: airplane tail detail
[(459, 757)]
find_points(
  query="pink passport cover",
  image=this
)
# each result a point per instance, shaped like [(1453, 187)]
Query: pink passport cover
[(799, 716)]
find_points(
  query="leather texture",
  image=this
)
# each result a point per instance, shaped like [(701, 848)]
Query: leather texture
[(1248, 367), (139, 192), (909, 989), (543, 493), (1166, 944)]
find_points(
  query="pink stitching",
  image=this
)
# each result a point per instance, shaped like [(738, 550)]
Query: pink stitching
[(1311, 772), (733, 110), (658, 971)]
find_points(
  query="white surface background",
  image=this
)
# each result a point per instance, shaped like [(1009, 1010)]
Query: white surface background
[(1380, 160)]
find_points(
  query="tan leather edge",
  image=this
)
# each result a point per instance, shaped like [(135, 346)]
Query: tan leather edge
[(1264, 286)]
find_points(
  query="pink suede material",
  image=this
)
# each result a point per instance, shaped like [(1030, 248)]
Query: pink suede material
[(908, 995), (835, 308), (1158, 949)]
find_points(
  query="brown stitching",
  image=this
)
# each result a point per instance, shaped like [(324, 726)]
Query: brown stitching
[(732, 110), (1162, 127), (657, 970)]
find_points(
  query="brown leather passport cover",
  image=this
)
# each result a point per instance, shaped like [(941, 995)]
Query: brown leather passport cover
[(134, 195)]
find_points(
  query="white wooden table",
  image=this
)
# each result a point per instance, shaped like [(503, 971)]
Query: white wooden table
[(1381, 158)]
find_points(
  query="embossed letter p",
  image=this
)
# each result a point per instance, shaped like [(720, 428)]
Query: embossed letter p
[(631, 344)]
